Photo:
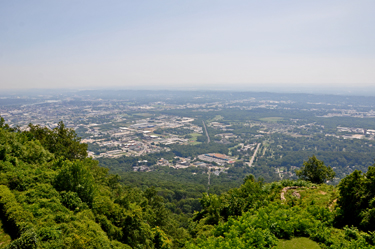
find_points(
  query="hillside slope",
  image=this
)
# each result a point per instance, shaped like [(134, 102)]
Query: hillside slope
[(53, 196), (65, 200), (255, 216)]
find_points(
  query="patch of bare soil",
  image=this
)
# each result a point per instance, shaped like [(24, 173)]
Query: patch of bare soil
[(333, 203)]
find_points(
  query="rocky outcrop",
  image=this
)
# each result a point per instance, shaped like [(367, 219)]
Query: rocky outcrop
[(282, 196), (296, 194)]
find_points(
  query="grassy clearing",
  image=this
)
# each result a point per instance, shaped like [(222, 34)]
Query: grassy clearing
[(195, 135), (193, 139), (195, 143), (232, 148), (297, 243), (4, 238), (271, 119), (323, 195), (215, 119)]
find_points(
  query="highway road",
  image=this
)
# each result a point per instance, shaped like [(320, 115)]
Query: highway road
[(253, 157), (208, 137)]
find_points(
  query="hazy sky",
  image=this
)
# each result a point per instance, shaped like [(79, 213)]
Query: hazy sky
[(259, 44)]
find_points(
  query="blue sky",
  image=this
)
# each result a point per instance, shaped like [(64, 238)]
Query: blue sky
[(262, 45)]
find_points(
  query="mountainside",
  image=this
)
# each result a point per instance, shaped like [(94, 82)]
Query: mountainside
[(259, 215), (53, 196), (57, 201)]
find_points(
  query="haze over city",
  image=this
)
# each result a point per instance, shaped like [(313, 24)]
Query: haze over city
[(200, 124), (289, 46)]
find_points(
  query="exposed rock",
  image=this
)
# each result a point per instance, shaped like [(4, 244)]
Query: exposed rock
[(296, 194), (282, 196)]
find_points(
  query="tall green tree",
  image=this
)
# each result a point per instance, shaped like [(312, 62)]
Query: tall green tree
[(60, 141), (315, 171), (77, 177), (356, 204)]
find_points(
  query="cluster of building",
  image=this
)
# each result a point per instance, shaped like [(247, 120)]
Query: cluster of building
[(183, 163), (138, 138), (350, 113), (220, 126), (356, 130), (284, 172), (219, 159)]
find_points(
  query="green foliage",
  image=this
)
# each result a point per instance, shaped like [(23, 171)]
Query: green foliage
[(17, 219), (315, 171), (277, 186), (16, 146), (61, 199), (49, 201), (233, 203), (161, 240), (5, 239), (357, 199), (71, 200), (263, 226), (238, 164), (27, 240), (297, 243), (60, 141), (287, 151), (76, 176)]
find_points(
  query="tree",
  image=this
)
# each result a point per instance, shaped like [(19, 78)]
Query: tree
[(2, 122), (238, 164), (356, 204), (60, 141), (5, 126), (351, 201), (315, 171), (77, 177)]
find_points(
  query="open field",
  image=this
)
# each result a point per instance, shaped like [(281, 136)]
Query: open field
[(194, 138), (215, 119)]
